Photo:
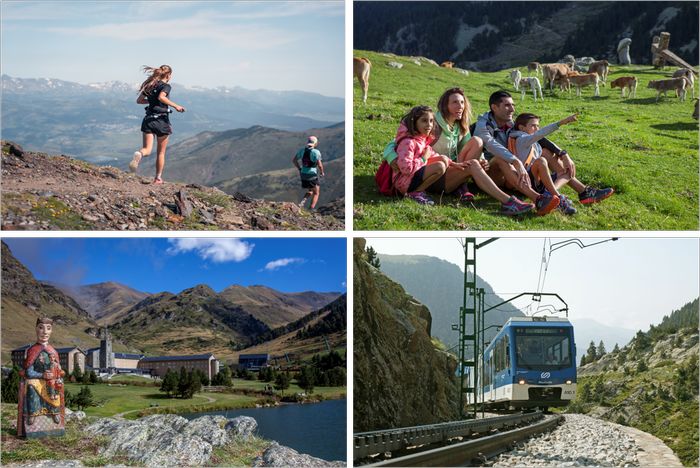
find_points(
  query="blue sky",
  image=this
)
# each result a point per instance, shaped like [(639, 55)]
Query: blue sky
[(630, 283), (255, 45), (156, 265)]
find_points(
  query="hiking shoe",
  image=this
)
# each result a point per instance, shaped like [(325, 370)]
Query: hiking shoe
[(420, 197), (134, 164), (463, 194), (566, 206), (514, 207), (158, 181), (594, 195), (545, 203), (302, 202)]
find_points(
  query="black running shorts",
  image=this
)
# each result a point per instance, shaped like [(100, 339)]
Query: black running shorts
[(310, 183), (158, 125)]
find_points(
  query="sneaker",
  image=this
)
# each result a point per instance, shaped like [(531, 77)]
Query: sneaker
[(302, 202), (566, 206), (514, 207), (546, 203), (420, 197), (463, 194), (158, 181), (594, 195), (134, 164)]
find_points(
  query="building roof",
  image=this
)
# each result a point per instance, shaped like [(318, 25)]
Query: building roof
[(253, 356), (68, 349), (22, 348), (92, 350), (127, 356), (194, 357)]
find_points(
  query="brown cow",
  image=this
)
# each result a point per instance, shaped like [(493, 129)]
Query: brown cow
[(534, 67), (629, 82), (553, 70), (688, 75), (361, 67), (447, 64), (676, 84), (584, 80), (601, 67)]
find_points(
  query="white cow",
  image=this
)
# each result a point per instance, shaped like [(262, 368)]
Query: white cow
[(533, 83), (515, 77)]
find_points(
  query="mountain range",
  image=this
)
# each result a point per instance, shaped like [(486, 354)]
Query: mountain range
[(100, 122), (195, 320), (257, 161), (491, 36)]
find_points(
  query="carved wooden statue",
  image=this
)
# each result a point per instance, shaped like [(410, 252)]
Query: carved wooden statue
[(623, 51), (41, 409)]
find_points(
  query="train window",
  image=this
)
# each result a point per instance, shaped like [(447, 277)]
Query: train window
[(536, 347)]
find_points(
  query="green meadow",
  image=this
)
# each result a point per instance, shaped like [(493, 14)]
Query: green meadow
[(646, 151)]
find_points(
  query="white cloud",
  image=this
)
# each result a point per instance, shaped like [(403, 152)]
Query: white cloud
[(282, 262), (216, 250)]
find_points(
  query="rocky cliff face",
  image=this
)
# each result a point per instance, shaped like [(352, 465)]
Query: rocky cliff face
[(400, 378)]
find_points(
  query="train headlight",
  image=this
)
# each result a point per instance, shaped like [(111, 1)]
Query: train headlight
[(521, 381), (568, 382)]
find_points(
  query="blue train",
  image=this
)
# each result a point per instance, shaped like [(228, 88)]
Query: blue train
[(530, 363)]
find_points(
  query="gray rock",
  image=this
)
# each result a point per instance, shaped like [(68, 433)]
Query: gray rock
[(49, 464), (279, 455), (242, 426), (211, 429), (74, 415), (396, 65)]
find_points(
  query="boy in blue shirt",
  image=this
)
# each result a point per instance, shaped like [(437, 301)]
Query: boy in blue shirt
[(308, 161)]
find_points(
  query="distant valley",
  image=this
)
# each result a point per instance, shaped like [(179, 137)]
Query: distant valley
[(100, 122)]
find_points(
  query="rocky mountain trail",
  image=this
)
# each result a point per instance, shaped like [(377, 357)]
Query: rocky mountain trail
[(57, 192)]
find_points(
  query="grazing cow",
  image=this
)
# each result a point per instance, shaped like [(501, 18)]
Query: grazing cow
[(533, 83), (584, 80), (629, 82), (688, 75), (361, 67), (552, 71), (661, 86), (563, 82), (534, 67), (601, 67), (447, 64), (515, 77)]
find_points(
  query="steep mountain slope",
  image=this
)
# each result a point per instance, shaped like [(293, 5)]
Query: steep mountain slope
[(100, 122), (24, 299), (275, 308), (105, 302), (490, 36), (587, 330), (443, 294), (57, 192), (223, 159), (650, 384), (400, 377)]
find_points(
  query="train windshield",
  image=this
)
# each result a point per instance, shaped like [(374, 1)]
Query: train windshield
[(543, 347)]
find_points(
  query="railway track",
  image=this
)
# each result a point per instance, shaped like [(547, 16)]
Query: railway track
[(477, 450)]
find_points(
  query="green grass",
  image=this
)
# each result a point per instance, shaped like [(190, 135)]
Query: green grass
[(647, 152)]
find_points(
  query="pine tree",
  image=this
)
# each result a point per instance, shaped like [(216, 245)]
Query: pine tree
[(306, 379), (10, 386), (183, 383), (616, 349), (77, 374), (83, 399), (601, 349), (282, 381), (591, 355), (372, 257), (586, 392), (583, 361), (170, 383)]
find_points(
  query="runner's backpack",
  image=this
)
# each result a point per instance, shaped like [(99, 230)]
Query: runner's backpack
[(306, 159)]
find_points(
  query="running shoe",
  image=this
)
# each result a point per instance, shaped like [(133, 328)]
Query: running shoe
[(302, 202), (420, 197), (594, 195), (134, 164), (566, 206), (463, 194), (514, 207), (545, 203)]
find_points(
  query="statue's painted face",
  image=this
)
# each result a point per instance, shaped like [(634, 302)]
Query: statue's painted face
[(43, 332)]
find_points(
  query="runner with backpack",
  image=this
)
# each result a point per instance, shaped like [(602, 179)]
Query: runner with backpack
[(308, 162)]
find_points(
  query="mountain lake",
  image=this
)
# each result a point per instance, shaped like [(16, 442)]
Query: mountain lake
[(316, 429)]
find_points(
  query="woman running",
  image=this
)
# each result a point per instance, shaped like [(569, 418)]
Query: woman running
[(154, 92)]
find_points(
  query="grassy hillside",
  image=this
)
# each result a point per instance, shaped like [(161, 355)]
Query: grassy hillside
[(647, 152)]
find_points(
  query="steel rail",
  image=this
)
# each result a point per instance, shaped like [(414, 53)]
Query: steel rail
[(478, 450), (391, 440)]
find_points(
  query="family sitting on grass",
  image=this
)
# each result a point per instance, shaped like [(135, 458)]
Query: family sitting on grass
[(437, 153)]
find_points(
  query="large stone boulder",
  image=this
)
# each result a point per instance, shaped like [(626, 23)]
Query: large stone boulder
[(242, 426), (279, 455)]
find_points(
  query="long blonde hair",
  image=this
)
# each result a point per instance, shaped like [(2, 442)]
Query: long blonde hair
[(157, 74)]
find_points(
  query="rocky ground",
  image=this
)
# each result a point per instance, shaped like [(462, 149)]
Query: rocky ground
[(586, 441), (43, 192), (171, 440)]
